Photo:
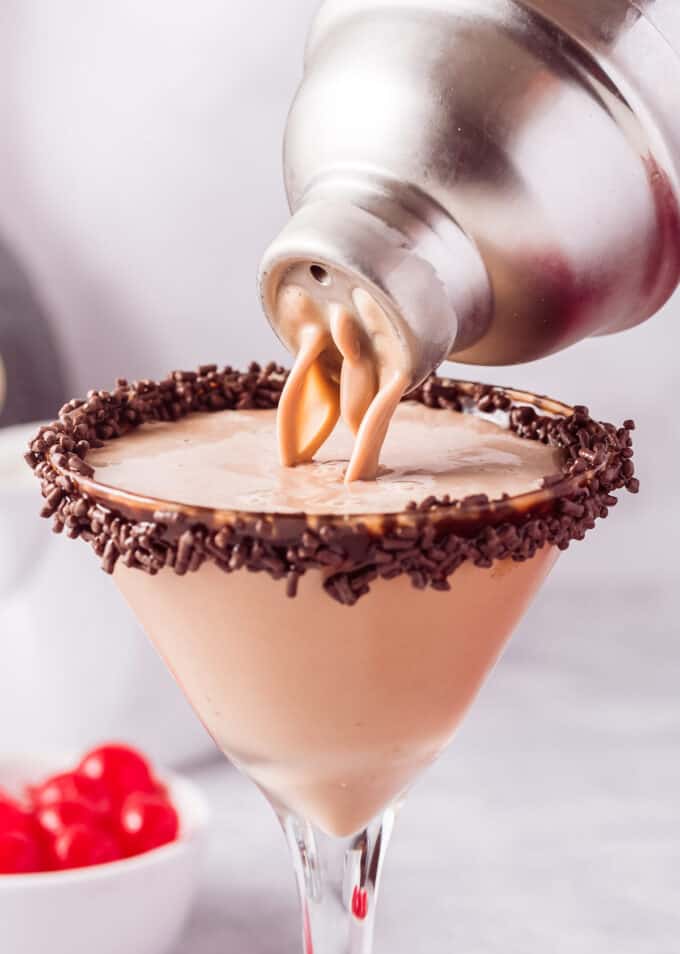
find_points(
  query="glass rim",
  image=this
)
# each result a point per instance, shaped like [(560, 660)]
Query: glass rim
[(142, 506), (428, 540)]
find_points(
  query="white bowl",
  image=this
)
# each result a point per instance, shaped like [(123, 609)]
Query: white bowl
[(136, 906)]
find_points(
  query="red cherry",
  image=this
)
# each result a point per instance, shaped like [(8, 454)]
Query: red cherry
[(81, 847), (53, 819), (19, 853), (161, 789), (105, 849), (71, 787), (120, 770), (147, 822), (13, 817)]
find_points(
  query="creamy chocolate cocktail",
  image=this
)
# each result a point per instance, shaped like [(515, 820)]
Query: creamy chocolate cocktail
[(330, 634), (228, 461), (332, 712)]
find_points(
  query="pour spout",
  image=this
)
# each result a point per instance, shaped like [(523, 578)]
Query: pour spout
[(416, 263)]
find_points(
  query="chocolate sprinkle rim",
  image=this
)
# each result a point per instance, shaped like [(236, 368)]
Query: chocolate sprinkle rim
[(427, 542)]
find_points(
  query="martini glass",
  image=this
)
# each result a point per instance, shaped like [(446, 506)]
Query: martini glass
[(333, 710)]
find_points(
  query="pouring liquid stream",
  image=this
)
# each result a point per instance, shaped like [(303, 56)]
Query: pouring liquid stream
[(349, 364)]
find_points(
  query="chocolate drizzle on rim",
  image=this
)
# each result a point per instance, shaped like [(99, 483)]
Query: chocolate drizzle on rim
[(428, 542)]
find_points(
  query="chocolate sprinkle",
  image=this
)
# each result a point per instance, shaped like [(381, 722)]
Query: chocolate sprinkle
[(428, 542)]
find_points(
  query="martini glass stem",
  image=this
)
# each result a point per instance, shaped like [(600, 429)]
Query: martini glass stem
[(338, 881)]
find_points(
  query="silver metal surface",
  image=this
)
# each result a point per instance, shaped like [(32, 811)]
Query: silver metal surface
[(504, 176)]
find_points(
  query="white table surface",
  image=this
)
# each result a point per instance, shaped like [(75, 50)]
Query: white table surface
[(552, 826)]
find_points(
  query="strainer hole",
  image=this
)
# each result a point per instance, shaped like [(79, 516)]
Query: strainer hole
[(320, 274)]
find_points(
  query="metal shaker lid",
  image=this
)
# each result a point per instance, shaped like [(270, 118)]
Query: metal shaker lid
[(420, 268)]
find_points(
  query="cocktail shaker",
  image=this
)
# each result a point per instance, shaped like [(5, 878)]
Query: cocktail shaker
[(503, 176)]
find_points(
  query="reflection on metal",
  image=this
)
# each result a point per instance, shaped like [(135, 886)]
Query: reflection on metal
[(502, 175)]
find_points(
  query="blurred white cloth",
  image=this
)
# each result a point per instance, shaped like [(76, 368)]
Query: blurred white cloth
[(78, 670)]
